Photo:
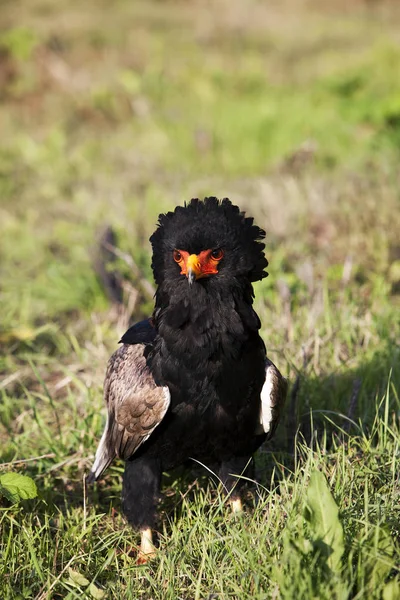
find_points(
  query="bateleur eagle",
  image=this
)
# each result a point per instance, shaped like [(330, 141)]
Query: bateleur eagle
[(194, 380)]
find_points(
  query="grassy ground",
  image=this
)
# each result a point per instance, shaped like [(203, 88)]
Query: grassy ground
[(110, 114)]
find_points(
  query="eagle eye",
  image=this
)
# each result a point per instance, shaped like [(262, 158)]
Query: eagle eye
[(217, 254), (177, 256)]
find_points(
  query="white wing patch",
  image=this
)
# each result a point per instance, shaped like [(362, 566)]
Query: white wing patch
[(272, 398), (266, 401)]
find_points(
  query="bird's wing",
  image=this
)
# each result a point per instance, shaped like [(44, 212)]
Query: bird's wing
[(140, 333), (135, 404), (273, 396)]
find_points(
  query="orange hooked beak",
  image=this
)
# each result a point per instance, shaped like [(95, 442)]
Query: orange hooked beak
[(193, 268)]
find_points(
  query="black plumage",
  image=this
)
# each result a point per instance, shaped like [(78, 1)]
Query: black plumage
[(192, 382)]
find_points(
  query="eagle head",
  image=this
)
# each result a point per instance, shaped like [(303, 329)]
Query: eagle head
[(207, 239)]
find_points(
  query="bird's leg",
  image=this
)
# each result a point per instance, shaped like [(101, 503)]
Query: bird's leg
[(147, 549), (230, 474), (140, 495)]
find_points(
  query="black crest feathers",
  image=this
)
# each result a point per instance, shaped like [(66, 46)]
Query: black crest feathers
[(210, 223)]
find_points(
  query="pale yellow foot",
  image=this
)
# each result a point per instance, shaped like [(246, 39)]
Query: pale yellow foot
[(236, 505), (147, 549)]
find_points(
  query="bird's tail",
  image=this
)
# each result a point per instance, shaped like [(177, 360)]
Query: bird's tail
[(103, 458)]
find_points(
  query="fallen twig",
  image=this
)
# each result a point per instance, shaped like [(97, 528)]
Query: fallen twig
[(147, 287), (26, 460)]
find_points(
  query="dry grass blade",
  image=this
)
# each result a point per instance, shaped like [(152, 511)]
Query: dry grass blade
[(47, 593), (352, 411)]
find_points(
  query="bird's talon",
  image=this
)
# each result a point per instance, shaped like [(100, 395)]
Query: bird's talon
[(236, 505), (143, 559)]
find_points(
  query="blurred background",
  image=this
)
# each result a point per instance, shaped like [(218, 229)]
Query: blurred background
[(112, 112)]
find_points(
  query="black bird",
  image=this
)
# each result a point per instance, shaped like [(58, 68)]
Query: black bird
[(194, 381)]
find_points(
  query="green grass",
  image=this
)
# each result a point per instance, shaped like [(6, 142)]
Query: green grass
[(109, 117)]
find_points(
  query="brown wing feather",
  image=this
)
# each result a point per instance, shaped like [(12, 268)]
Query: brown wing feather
[(135, 404)]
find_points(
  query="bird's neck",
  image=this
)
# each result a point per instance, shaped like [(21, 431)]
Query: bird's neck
[(199, 324)]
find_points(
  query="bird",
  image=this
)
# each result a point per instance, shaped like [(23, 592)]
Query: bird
[(193, 381)]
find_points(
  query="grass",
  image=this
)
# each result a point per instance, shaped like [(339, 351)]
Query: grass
[(107, 119)]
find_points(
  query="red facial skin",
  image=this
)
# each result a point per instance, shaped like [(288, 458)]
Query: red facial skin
[(202, 265)]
